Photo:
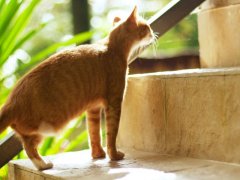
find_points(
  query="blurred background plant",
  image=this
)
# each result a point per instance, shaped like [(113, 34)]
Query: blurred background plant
[(31, 30), (16, 57)]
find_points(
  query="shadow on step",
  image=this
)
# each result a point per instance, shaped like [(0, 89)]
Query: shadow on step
[(156, 64)]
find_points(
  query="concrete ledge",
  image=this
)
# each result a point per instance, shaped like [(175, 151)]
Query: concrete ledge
[(194, 113), (137, 165)]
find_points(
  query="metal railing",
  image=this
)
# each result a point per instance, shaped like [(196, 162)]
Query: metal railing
[(161, 22)]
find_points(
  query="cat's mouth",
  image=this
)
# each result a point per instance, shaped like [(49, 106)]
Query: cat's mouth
[(148, 40), (151, 38)]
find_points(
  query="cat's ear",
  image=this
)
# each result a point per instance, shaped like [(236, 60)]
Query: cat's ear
[(116, 20), (133, 16)]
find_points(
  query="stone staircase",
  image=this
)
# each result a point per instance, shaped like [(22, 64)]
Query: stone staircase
[(174, 125)]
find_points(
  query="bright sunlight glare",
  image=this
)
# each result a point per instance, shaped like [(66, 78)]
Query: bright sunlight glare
[(141, 174)]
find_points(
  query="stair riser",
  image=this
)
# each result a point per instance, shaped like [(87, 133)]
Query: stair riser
[(196, 116)]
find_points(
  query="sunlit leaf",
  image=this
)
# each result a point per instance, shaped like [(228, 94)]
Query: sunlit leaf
[(27, 36), (80, 139), (46, 145), (78, 39), (8, 40), (7, 14)]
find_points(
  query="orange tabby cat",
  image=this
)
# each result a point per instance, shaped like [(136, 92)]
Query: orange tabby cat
[(68, 83)]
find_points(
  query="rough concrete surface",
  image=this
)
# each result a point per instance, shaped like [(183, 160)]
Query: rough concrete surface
[(192, 113), (219, 37), (136, 165), (218, 3)]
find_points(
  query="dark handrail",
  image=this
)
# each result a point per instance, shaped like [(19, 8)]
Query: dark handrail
[(161, 22), (171, 14), (9, 148)]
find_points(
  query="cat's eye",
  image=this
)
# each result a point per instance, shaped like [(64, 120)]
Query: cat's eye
[(144, 30)]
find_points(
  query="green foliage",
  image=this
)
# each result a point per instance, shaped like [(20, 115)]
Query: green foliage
[(80, 38), (182, 37), (12, 25), (14, 20)]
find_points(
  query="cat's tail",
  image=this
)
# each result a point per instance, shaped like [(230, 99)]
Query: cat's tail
[(5, 121)]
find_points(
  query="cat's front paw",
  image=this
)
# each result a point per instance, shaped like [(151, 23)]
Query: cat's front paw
[(48, 165), (44, 166), (115, 156), (41, 165), (98, 154)]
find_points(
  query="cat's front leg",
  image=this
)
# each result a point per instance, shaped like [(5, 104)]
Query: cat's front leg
[(112, 122)]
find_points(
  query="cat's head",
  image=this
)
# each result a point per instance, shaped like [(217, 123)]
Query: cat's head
[(133, 33)]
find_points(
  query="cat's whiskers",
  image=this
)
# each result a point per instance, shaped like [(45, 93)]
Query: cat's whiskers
[(156, 36), (154, 49), (154, 43)]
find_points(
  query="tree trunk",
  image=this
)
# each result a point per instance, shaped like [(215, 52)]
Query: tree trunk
[(80, 11)]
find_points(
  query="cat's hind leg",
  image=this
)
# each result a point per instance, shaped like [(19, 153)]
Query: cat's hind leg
[(93, 122), (30, 144), (112, 121)]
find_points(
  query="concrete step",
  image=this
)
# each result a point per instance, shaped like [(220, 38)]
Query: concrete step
[(188, 113), (136, 165)]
